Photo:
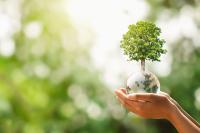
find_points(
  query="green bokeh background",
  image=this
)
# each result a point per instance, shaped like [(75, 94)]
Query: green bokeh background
[(72, 98)]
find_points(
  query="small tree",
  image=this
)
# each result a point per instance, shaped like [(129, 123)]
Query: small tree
[(142, 42)]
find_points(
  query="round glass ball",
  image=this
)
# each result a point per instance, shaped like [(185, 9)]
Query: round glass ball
[(143, 82)]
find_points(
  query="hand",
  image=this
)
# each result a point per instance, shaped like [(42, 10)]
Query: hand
[(157, 106), (147, 105)]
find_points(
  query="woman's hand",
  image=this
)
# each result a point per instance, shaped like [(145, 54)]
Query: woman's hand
[(157, 106), (147, 105)]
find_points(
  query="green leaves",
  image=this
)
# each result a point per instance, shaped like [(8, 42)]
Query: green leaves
[(142, 42)]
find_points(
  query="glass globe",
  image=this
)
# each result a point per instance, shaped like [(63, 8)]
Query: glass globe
[(143, 82)]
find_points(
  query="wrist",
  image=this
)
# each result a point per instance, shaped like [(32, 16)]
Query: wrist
[(172, 111), (173, 114)]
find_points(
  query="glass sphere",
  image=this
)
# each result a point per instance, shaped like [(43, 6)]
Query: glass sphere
[(143, 82)]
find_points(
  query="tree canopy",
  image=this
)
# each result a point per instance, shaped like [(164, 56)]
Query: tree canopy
[(142, 42)]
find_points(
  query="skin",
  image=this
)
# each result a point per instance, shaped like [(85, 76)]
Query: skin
[(158, 106)]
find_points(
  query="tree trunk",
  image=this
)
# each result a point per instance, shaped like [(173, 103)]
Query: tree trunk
[(143, 65)]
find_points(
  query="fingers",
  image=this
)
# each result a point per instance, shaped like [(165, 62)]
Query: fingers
[(122, 96), (120, 93), (130, 105), (141, 96), (136, 107), (122, 89)]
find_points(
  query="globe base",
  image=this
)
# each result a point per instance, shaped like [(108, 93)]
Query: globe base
[(143, 82)]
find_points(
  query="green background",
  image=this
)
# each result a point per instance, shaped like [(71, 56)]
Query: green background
[(73, 98)]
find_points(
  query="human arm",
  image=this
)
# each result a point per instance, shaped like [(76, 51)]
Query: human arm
[(158, 106), (181, 109)]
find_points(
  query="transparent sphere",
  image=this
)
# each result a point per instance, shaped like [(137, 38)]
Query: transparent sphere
[(143, 82)]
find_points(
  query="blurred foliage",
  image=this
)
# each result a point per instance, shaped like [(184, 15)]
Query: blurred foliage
[(50, 85)]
